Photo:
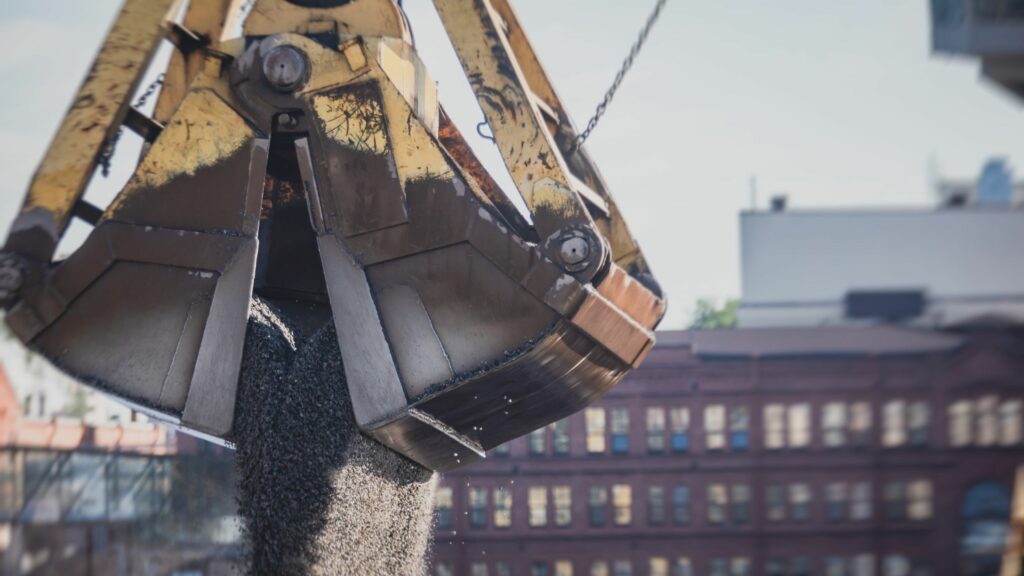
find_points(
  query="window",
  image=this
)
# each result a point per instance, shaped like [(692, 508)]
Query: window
[(835, 566), (563, 505), (895, 501), (833, 424), (502, 450), (538, 442), (1010, 423), (864, 565), (861, 504), (443, 508), (560, 437), (919, 500), (599, 568), (681, 505), (987, 430), (835, 501), (679, 421), (799, 501), (735, 566), (918, 416), (657, 567), (961, 426), (595, 430), (623, 568), (799, 425), (444, 568), (478, 507), (683, 567), (985, 513), (860, 424), (537, 499), (538, 569), (896, 565), (775, 502), (598, 505), (787, 426), (739, 428), (502, 508), (799, 566), (714, 427), (503, 568), (774, 426), (655, 429), (894, 432), (620, 430), (622, 504), (740, 503), (656, 505), (908, 500), (718, 500), (563, 568), (478, 569)]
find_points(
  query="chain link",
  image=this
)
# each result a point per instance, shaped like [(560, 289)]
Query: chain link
[(108, 151), (626, 65)]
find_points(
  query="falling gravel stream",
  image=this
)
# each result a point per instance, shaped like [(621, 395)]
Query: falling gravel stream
[(316, 496)]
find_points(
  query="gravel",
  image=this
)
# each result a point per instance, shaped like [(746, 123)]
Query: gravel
[(316, 495)]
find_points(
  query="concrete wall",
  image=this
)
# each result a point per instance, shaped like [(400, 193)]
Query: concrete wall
[(798, 266)]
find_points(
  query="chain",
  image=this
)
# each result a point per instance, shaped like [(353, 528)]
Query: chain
[(108, 151), (626, 65)]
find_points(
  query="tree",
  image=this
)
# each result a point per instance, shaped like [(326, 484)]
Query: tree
[(708, 316)]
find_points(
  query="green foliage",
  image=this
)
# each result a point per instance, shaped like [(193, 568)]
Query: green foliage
[(708, 315)]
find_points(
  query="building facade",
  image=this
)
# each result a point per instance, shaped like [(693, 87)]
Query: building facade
[(785, 451), (931, 267)]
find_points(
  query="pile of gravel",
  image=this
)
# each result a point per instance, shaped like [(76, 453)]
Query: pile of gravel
[(316, 496)]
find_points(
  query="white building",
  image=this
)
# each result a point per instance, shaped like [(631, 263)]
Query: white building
[(929, 267)]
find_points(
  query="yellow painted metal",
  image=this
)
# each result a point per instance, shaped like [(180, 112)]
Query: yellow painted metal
[(516, 96), (365, 17), (96, 114), (528, 148), (208, 19), (204, 132), (625, 251)]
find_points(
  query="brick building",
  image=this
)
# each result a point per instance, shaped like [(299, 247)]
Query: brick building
[(835, 451)]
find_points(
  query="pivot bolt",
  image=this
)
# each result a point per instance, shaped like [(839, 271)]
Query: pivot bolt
[(284, 67), (575, 250)]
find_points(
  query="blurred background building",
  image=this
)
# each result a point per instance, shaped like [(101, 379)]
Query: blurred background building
[(882, 450), (991, 30), (928, 267)]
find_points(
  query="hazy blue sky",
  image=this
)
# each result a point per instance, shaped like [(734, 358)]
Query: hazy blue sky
[(836, 103)]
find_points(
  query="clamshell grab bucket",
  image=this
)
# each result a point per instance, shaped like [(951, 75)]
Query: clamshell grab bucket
[(313, 167)]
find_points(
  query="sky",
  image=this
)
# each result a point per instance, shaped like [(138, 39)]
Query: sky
[(834, 103)]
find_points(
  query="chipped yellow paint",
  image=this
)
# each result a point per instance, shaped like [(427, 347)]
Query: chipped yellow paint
[(415, 150), (98, 108), (352, 116), (511, 86), (208, 19), (365, 17), (203, 132), (529, 150)]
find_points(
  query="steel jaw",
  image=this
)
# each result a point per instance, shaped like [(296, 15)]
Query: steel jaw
[(323, 177)]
